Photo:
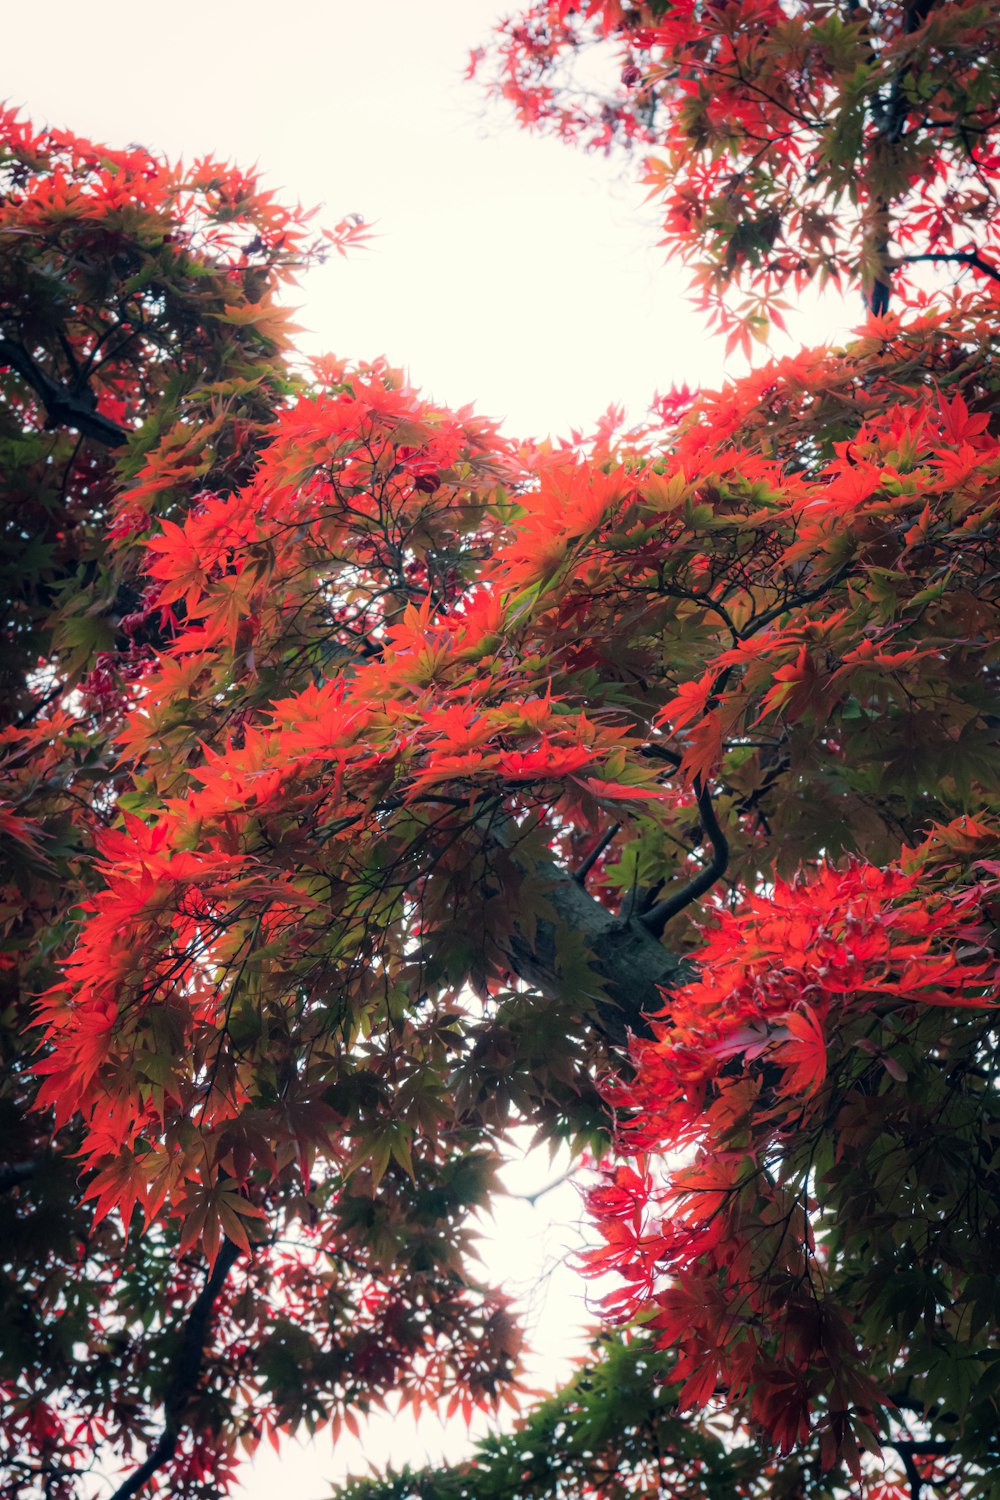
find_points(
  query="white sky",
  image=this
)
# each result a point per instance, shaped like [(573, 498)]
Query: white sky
[(509, 271)]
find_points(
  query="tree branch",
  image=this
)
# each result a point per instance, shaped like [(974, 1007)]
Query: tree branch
[(17, 1172), (186, 1373), (913, 1478), (587, 864), (550, 1187), (656, 919), (956, 257), (63, 406), (908, 1448), (41, 704), (631, 965), (890, 121)]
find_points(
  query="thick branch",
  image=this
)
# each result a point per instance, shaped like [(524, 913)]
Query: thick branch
[(913, 1477), (909, 1448), (955, 257), (185, 1375), (940, 1447), (63, 406), (631, 966), (656, 919), (877, 299)]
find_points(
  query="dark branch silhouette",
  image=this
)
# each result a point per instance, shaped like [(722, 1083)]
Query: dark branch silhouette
[(656, 919), (186, 1373), (17, 1172), (63, 406), (970, 258), (939, 1447), (587, 864), (889, 116)]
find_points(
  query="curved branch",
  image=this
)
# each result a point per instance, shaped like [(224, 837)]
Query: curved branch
[(656, 919), (550, 1187), (63, 407), (807, 597), (970, 258), (913, 1476), (186, 1373)]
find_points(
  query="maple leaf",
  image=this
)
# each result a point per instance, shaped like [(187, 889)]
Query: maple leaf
[(804, 1055), (384, 685)]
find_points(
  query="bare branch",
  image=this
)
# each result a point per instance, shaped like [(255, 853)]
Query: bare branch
[(62, 406), (970, 258), (186, 1373), (541, 1192), (587, 864), (656, 919)]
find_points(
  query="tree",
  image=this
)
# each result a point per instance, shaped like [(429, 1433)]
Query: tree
[(831, 141), (427, 746)]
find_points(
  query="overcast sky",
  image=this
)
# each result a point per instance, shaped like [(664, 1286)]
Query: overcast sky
[(508, 271)]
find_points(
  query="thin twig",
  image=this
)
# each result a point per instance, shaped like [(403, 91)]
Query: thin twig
[(549, 1187), (40, 704)]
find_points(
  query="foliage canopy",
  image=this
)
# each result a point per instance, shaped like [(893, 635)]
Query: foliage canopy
[(372, 783)]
